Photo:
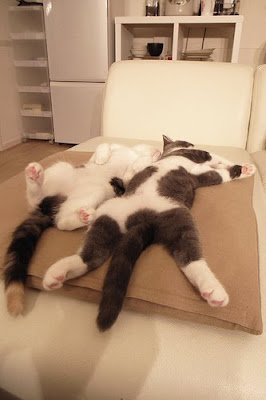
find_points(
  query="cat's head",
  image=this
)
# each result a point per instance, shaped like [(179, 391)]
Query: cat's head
[(169, 144)]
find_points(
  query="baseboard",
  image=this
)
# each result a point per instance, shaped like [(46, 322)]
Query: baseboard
[(12, 143)]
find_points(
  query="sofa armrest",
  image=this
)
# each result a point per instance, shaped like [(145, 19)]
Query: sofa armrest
[(259, 158)]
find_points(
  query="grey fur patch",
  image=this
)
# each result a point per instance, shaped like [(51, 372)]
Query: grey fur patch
[(118, 186), (174, 229), (197, 156), (208, 179), (139, 179), (100, 241), (170, 144), (145, 216), (178, 185), (235, 171), (177, 232)]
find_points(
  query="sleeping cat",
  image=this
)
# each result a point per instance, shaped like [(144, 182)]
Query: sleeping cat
[(67, 197), (154, 209)]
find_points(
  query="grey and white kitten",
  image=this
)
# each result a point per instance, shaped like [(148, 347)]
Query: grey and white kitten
[(154, 209)]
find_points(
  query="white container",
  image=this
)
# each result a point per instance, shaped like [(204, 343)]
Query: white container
[(207, 7), (174, 7)]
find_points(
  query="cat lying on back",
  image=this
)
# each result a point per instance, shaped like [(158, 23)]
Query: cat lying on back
[(67, 197), (154, 209)]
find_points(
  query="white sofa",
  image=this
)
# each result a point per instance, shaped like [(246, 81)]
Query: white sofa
[(55, 351)]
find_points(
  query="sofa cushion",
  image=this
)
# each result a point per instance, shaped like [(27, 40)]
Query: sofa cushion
[(227, 224)]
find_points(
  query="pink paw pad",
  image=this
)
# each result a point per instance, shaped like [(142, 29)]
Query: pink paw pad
[(84, 216), (33, 174), (217, 303), (60, 278), (206, 295)]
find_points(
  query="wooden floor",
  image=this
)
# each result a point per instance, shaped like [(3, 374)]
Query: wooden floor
[(15, 159)]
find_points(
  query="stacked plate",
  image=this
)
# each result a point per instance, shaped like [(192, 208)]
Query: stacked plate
[(198, 55), (138, 50)]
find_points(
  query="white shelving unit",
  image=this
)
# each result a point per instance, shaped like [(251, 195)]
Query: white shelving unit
[(30, 60), (175, 29)]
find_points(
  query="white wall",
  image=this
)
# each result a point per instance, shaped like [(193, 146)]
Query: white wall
[(253, 42), (10, 126)]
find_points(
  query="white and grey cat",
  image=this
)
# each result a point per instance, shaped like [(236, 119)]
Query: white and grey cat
[(154, 209), (66, 197)]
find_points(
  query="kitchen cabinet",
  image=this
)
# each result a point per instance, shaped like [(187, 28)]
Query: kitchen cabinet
[(176, 30)]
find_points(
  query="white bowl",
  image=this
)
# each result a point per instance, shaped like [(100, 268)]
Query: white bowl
[(139, 47), (138, 52)]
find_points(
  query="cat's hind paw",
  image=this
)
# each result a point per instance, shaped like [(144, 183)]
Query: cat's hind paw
[(53, 279), (216, 296), (86, 215), (34, 172)]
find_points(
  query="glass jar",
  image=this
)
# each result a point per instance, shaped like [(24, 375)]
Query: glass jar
[(152, 8), (179, 7), (229, 7)]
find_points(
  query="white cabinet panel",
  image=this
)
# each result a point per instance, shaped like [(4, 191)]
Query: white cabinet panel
[(76, 34), (76, 111)]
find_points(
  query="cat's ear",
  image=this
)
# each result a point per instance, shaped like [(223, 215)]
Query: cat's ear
[(166, 140)]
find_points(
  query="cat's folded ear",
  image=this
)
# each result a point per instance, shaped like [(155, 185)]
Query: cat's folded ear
[(166, 140)]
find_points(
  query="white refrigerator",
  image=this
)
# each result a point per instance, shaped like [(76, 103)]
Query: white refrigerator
[(80, 48)]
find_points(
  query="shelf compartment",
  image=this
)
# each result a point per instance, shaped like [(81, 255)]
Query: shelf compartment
[(31, 63), (27, 36), (25, 8), (31, 113), (176, 28), (33, 89), (38, 135)]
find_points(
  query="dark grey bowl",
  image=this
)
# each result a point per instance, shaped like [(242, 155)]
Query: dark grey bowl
[(155, 49)]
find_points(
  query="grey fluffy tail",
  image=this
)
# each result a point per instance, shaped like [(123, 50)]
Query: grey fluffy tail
[(119, 273), (20, 251)]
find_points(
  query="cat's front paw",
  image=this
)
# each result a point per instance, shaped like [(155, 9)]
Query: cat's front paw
[(215, 295), (248, 170), (34, 172), (242, 171)]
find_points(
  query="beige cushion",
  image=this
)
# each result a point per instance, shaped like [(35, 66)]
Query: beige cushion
[(207, 102), (227, 226)]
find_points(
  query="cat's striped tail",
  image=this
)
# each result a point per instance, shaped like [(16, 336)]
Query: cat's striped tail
[(120, 269), (22, 246)]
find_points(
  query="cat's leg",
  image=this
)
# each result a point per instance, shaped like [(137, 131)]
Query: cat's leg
[(151, 155), (217, 162), (184, 246), (102, 153), (99, 244), (34, 175), (65, 268), (206, 175), (70, 222), (74, 214), (139, 236)]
